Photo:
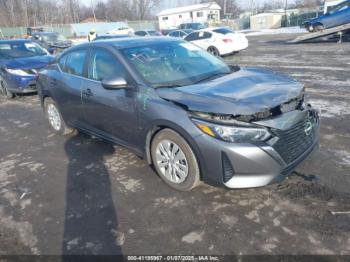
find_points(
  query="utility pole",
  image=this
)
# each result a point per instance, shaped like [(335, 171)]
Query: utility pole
[(285, 12), (225, 7)]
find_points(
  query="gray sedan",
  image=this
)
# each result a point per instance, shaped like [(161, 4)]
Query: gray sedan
[(186, 112)]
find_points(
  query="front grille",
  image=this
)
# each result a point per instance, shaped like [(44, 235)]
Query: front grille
[(294, 142), (227, 168)]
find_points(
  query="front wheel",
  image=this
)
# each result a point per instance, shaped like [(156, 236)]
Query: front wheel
[(5, 92), (175, 161), (55, 119)]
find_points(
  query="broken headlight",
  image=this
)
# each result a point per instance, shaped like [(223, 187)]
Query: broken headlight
[(237, 134), (18, 72)]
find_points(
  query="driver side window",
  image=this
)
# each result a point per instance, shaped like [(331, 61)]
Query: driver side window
[(103, 64)]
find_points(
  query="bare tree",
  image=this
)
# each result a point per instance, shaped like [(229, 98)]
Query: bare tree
[(228, 7), (47, 12), (11, 7), (101, 11), (144, 7)]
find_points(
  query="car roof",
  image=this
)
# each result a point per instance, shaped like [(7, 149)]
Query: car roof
[(211, 29), (13, 41), (113, 36), (45, 33), (186, 31), (127, 42), (147, 30), (192, 23)]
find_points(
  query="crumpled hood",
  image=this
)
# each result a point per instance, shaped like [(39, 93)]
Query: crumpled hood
[(35, 62), (245, 92)]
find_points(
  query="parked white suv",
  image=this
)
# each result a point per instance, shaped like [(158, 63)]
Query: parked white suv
[(219, 41)]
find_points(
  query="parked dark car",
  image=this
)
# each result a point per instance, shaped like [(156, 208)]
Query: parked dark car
[(192, 26), (52, 41), (180, 33), (20, 61), (165, 32), (106, 37), (185, 111), (32, 30), (337, 16), (148, 33)]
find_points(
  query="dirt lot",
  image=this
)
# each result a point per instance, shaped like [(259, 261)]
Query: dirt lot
[(79, 195)]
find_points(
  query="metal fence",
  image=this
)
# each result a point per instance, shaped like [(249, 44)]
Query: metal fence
[(298, 20), (80, 30)]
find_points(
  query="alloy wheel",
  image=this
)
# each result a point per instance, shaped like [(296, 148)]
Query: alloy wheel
[(54, 117), (171, 161), (3, 89)]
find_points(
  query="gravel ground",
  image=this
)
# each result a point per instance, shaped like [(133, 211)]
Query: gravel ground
[(79, 195)]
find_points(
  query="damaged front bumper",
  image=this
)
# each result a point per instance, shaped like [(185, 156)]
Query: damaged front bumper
[(295, 136), (21, 85)]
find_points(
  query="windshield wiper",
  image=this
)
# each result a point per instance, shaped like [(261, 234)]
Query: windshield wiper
[(167, 86), (216, 75)]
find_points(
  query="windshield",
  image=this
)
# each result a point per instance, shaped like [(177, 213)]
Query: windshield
[(53, 37), (340, 7), (174, 63), (18, 49)]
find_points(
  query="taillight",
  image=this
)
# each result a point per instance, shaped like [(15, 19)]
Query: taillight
[(227, 40)]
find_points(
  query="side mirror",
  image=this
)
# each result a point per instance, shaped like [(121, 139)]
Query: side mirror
[(114, 83)]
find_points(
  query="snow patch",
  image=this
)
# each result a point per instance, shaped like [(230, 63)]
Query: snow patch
[(331, 109), (285, 30)]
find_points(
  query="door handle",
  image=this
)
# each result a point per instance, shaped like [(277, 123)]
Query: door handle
[(87, 92)]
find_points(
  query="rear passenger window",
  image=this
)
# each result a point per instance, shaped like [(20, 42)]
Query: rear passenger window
[(73, 62), (192, 37), (140, 33), (103, 64), (204, 35)]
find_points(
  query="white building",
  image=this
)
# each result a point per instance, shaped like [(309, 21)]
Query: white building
[(200, 13), (266, 21)]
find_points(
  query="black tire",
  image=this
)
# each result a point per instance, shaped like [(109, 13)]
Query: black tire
[(192, 179), (62, 128), (213, 50), (5, 92), (318, 27)]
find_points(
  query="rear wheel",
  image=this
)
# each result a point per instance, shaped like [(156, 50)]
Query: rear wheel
[(5, 92), (175, 161), (213, 50), (55, 119)]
